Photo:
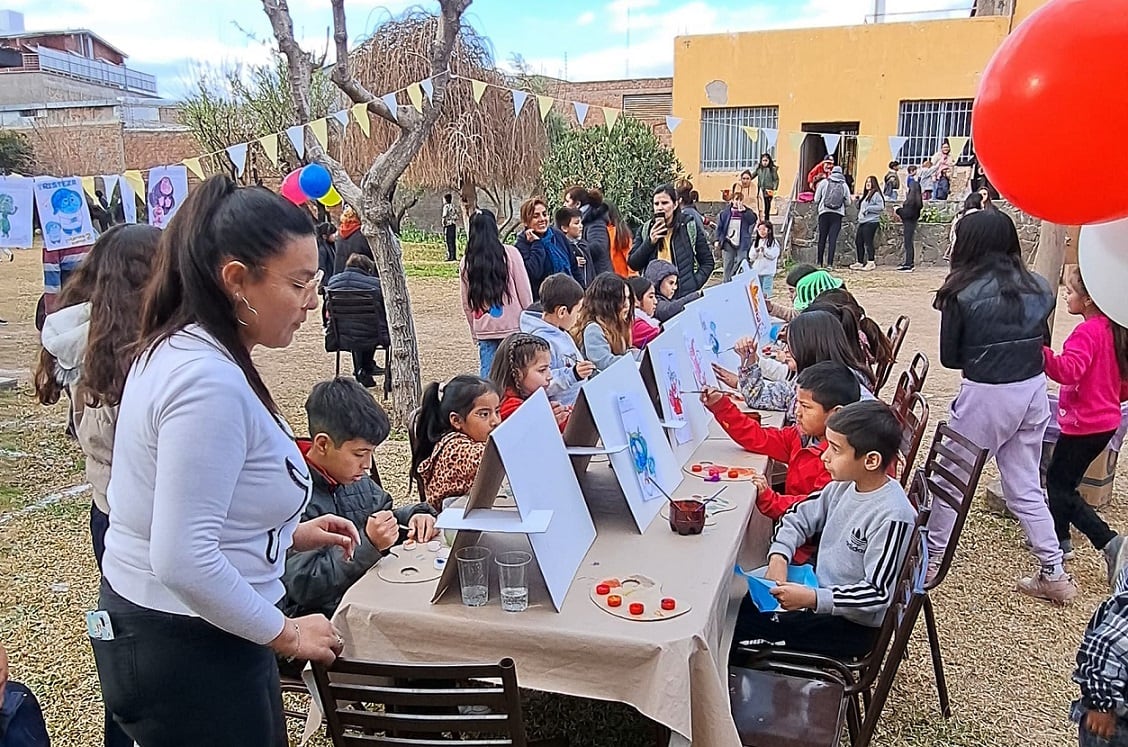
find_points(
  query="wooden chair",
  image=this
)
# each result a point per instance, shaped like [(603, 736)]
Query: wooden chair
[(951, 471), (419, 704), (802, 710), (912, 380), (350, 314), (914, 421), (896, 336), (296, 686), (919, 367)]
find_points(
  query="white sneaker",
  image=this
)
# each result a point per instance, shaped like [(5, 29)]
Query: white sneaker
[(870, 266), (1059, 591), (857, 266)]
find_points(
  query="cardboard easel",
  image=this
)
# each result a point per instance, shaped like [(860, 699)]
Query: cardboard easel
[(694, 415), (551, 511)]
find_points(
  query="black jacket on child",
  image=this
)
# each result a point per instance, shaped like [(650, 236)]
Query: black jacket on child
[(656, 272), (598, 240), (690, 249), (316, 580)]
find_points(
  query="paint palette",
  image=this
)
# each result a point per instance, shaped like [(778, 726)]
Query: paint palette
[(712, 472), (718, 505), (414, 564), (636, 598)]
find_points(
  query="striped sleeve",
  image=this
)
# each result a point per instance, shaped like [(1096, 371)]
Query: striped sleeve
[(882, 563), (803, 521)]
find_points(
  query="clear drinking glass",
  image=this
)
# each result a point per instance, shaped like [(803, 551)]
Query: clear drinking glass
[(512, 573), (474, 575)]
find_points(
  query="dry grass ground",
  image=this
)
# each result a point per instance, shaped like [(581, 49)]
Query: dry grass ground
[(1009, 658)]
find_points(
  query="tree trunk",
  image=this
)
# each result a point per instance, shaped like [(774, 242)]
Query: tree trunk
[(1050, 257), (404, 358)]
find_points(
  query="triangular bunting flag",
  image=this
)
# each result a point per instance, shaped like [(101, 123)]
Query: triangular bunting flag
[(296, 135), (238, 156), (957, 144), (389, 100), (269, 145), (519, 98), (415, 93), (360, 114), (479, 88), (88, 185), (320, 130), (896, 142), (342, 118), (544, 103), (428, 88), (831, 142), (771, 135), (194, 166), (128, 202), (753, 133), (796, 139), (111, 182), (865, 147), (610, 116), (581, 110), (135, 180), (672, 122)]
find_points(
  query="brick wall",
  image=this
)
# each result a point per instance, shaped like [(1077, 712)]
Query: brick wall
[(610, 93), (144, 149), (79, 150)]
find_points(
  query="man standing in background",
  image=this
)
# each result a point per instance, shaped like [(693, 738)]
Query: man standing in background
[(450, 224)]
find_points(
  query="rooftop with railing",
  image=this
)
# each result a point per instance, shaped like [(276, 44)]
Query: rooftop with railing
[(82, 68)]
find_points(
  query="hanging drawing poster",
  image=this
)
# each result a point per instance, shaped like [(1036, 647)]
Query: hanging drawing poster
[(672, 393), (168, 187), (645, 466), (16, 198), (760, 313), (63, 213)]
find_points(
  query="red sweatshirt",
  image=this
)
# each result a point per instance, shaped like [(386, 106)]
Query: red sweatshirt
[(511, 401), (806, 472)]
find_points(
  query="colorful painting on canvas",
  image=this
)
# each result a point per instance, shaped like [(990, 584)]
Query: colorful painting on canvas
[(760, 313), (63, 212), (645, 467), (699, 375)]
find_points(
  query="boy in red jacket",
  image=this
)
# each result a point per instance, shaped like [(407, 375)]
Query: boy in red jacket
[(821, 390)]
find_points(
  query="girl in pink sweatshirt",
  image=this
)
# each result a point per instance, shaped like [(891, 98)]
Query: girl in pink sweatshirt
[(1091, 368)]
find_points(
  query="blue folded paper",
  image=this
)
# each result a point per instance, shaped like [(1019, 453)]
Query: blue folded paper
[(760, 588)]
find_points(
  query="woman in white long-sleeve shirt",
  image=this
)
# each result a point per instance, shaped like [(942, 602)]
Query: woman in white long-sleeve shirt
[(208, 485)]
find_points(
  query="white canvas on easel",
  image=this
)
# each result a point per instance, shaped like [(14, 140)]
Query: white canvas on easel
[(672, 342), (527, 449), (602, 398), (741, 309)]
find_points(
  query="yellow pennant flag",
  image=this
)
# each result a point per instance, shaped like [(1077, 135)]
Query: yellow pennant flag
[(320, 130), (136, 182), (957, 144), (753, 133), (865, 147), (194, 166), (415, 93), (88, 185), (544, 103), (269, 145), (479, 88), (360, 113), (796, 139), (611, 116)]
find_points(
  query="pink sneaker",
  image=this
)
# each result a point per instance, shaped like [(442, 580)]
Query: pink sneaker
[(1060, 590)]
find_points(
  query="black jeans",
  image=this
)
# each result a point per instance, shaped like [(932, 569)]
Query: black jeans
[(113, 736), (178, 681), (767, 205), (451, 232), (910, 234), (1072, 456), (829, 226), (863, 241), (364, 362), (829, 635)]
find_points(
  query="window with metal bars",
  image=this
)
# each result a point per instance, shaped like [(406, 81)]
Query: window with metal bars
[(927, 123), (725, 146)]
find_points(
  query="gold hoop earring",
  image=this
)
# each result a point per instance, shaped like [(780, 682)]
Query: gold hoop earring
[(249, 308)]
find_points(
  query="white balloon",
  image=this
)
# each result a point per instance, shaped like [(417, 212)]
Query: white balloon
[(1102, 254)]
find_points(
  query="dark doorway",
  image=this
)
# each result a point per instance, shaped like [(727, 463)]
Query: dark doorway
[(845, 155)]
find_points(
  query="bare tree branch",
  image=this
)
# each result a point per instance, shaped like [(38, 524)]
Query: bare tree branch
[(342, 72)]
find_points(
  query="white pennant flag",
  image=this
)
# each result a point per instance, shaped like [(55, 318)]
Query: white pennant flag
[(296, 135), (831, 141), (896, 142), (771, 135), (389, 100), (128, 202), (238, 156), (672, 122), (428, 88), (581, 111), (342, 117), (111, 182), (518, 101)]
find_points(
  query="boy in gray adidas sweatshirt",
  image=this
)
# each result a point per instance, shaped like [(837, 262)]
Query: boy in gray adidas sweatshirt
[(865, 522)]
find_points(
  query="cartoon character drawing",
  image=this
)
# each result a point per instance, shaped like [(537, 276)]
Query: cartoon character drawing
[(7, 209), (714, 341), (53, 233), (67, 205), (673, 394), (162, 200), (644, 464)]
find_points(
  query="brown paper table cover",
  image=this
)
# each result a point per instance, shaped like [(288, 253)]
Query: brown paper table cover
[(673, 671)]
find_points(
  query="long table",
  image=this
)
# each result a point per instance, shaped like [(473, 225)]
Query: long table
[(673, 671)]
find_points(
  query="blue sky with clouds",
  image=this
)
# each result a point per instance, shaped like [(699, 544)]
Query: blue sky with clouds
[(602, 39)]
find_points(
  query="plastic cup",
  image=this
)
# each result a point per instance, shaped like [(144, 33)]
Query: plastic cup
[(512, 573), (474, 575)]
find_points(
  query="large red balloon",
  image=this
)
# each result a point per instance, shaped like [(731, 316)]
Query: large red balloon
[(1052, 109)]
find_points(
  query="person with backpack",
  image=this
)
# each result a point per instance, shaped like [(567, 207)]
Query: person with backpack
[(830, 200), (892, 180), (676, 236)]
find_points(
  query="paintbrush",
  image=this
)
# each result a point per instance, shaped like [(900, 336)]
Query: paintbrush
[(663, 492), (713, 497)]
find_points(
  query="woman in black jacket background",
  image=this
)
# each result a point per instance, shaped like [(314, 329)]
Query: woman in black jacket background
[(674, 236), (360, 274), (909, 213)]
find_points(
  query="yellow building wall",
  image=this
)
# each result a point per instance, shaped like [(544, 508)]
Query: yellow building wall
[(1023, 9), (842, 74)]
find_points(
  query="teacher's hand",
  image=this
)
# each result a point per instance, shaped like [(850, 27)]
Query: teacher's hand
[(327, 529), (311, 637)]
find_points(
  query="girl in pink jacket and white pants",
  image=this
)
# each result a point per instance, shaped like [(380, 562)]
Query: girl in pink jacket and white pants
[(1091, 369)]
